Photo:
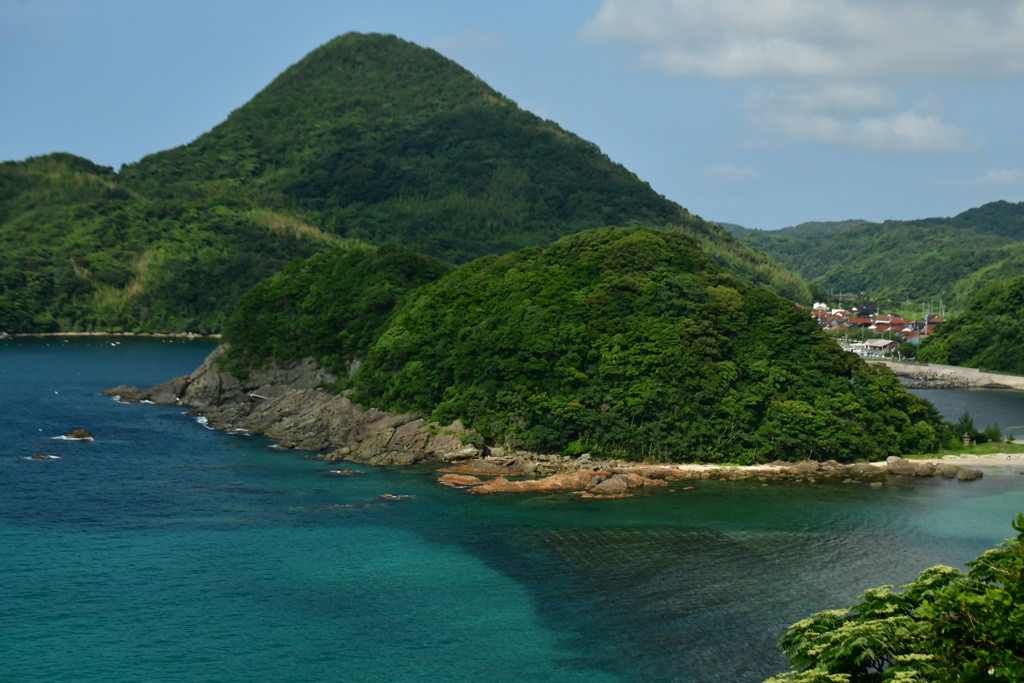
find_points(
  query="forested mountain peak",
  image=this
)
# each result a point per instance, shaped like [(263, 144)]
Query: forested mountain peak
[(368, 138), (354, 86), (391, 142)]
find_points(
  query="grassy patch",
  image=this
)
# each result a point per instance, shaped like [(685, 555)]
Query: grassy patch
[(988, 448)]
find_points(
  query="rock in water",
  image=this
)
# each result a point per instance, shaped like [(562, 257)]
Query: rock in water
[(968, 474), (459, 480)]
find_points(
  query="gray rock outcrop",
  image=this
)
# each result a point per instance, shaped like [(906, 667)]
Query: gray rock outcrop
[(285, 403)]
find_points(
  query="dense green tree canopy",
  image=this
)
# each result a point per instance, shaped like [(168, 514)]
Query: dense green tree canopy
[(82, 253), (946, 626), (630, 341), (987, 335), (330, 307)]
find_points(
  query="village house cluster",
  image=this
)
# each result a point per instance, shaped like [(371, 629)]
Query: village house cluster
[(872, 335)]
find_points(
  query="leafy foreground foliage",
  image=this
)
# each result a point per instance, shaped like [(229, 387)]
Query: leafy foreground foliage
[(945, 626), (330, 307), (630, 341), (987, 335)]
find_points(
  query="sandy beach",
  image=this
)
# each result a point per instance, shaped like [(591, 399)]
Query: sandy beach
[(992, 459)]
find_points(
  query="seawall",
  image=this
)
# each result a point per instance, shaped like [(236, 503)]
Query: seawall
[(954, 376)]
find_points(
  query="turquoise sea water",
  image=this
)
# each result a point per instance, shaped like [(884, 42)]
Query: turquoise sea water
[(165, 551)]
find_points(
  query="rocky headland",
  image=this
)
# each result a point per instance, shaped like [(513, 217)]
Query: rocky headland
[(287, 404)]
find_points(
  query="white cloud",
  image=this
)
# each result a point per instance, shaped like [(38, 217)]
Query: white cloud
[(898, 133), (846, 39), (814, 101), (997, 180), (862, 117), (1005, 176), (830, 71), (910, 132), (850, 99)]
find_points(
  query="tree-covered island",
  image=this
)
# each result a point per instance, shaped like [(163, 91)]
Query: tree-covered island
[(623, 342)]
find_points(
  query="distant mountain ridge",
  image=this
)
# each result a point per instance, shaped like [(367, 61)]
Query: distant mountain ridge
[(369, 139), (928, 258)]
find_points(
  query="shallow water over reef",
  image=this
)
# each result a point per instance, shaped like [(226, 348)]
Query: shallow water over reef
[(166, 551)]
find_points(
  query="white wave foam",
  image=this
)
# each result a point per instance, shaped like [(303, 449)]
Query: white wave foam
[(201, 419)]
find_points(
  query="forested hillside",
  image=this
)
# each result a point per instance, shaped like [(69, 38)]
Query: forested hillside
[(330, 307), (368, 138), (989, 334), (389, 141), (624, 341), (80, 252), (925, 259)]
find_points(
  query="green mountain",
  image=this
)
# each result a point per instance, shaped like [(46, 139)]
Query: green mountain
[(917, 260), (1001, 218), (368, 138), (619, 341), (802, 230), (989, 334), (387, 141), (81, 252)]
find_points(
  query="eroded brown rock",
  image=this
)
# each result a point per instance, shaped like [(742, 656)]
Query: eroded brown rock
[(459, 480), (482, 468)]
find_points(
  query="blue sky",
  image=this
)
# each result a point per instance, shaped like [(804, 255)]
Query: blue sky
[(765, 113)]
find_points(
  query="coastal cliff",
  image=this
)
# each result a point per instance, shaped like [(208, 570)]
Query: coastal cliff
[(284, 403)]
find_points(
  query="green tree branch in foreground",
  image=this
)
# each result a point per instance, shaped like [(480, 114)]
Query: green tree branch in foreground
[(945, 626)]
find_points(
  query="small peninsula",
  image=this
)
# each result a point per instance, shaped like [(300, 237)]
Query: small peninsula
[(621, 344)]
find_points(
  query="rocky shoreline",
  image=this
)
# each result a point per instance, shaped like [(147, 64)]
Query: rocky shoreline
[(285, 404)]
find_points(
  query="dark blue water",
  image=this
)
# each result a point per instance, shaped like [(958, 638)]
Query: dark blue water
[(164, 551), (1002, 407)]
